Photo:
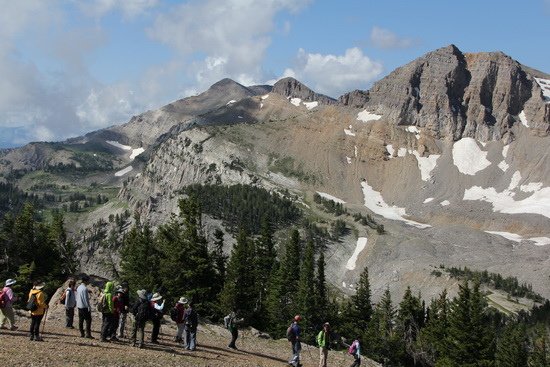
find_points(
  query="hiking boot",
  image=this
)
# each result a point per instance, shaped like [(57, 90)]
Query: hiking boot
[(103, 340), (114, 339), (89, 337), (38, 339), (154, 342), (32, 337), (13, 328)]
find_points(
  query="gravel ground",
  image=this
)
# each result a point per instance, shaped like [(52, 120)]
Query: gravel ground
[(65, 347)]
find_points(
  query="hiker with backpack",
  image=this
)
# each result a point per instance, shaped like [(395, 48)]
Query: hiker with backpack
[(323, 340), (118, 309), (191, 322), (157, 308), (125, 297), (141, 311), (293, 336), (84, 308), (105, 306), (177, 314), (232, 324), (37, 306), (7, 298), (355, 351), (68, 298)]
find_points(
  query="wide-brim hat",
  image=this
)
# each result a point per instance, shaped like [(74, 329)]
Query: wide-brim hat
[(142, 293), (183, 300), (40, 285), (156, 297), (10, 282), (119, 290)]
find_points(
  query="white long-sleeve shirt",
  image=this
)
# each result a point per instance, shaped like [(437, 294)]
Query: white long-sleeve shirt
[(82, 297)]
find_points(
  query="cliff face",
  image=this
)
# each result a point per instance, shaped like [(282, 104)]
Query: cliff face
[(456, 95)]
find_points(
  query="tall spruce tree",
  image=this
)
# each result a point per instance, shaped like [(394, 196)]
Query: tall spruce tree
[(290, 275), (239, 291), (409, 321), (361, 307), (321, 311), (431, 345), (512, 347), (305, 295), (140, 258), (540, 354)]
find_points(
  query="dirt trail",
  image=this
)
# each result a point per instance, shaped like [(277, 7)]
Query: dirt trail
[(65, 347)]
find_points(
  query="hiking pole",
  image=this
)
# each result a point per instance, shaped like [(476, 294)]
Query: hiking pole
[(44, 322)]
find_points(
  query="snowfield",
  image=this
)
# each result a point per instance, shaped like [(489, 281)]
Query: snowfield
[(361, 244), (468, 157), (124, 171), (375, 202), (135, 152), (367, 116)]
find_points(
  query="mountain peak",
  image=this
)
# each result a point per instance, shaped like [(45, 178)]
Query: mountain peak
[(224, 83), (290, 87)]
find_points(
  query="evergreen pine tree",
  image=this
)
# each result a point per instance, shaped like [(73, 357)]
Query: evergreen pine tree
[(139, 258), (290, 276), (540, 354), (321, 311), (306, 285), (239, 290), (410, 320), (512, 347), (361, 307)]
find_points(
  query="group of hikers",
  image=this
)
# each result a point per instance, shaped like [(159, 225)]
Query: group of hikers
[(114, 305)]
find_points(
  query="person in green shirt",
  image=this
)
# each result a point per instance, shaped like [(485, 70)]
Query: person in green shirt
[(323, 340)]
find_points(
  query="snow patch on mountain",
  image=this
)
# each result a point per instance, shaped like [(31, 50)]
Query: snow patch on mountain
[(311, 105), (468, 157), (349, 132), (428, 200), (514, 182), (531, 187), (539, 241), (361, 244), (118, 145), (375, 202), (230, 102), (426, 164), (296, 101), (348, 159), (390, 149), (124, 171), (445, 203), (367, 116), (523, 119), (503, 166), (503, 202), (265, 96), (330, 197), (508, 235), (414, 130), (545, 86), (136, 152)]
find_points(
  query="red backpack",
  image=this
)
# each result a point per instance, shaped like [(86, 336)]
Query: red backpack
[(2, 299)]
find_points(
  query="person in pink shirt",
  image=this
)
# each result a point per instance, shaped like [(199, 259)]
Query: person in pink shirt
[(6, 313)]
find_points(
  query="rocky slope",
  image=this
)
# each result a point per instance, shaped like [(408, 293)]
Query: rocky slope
[(449, 152), (453, 94)]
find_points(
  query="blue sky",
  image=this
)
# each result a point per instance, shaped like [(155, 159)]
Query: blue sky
[(73, 66)]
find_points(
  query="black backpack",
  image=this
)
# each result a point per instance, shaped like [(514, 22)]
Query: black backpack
[(174, 314), (32, 305), (142, 311)]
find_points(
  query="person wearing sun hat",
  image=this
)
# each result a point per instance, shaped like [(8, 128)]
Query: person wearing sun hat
[(180, 320), (157, 307), (141, 311), (6, 313), (38, 313)]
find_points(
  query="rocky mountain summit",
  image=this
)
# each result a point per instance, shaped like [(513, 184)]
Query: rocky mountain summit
[(449, 153), (454, 94)]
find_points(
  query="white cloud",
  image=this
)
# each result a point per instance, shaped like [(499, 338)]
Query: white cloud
[(384, 38), (128, 8), (333, 74), (233, 34)]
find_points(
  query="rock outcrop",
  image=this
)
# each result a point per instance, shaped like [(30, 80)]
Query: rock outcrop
[(290, 87), (457, 95)]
